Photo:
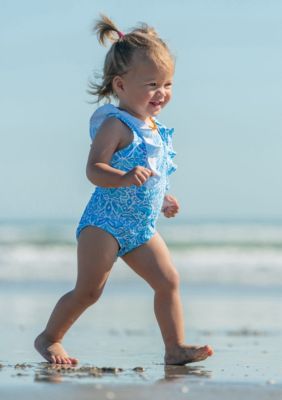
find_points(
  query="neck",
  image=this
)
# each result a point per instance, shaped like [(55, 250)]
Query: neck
[(148, 120), (152, 125), (130, 111)]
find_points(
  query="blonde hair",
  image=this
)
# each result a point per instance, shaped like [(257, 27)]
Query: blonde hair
[(119, 57)]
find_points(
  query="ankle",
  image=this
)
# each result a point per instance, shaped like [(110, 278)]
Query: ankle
[(171, 348), (49, 337)]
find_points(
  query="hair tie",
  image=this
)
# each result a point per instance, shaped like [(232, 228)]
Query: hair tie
[(120, 34)]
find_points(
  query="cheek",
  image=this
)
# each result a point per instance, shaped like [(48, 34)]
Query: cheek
[(168, 97), (150, 94), (147, 96)]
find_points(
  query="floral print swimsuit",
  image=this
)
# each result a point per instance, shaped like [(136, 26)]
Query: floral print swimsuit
[(130, 213)]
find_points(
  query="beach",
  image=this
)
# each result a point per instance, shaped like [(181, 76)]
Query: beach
[(232, 298), (195, 86)]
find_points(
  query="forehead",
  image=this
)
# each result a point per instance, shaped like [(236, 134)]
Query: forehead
[(143, 67)]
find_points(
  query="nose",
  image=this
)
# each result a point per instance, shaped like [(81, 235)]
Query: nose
[(160, 92)]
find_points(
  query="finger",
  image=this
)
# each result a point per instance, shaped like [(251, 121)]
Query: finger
[(175, 203), (146, 170), (173, 200), (144, 175), (138, 181), (170, 214), (171, 209), (150, 171), (170, 198), (140, 176)]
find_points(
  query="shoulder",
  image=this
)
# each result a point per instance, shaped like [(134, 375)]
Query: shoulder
[(113, 122), (108, 119), (114, 128)]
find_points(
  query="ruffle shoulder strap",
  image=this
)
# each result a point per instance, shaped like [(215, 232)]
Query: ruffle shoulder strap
[(167, 134), (101, 114)]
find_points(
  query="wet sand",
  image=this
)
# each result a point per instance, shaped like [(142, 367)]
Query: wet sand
[(157, 392), (42, 381), (121, 353)]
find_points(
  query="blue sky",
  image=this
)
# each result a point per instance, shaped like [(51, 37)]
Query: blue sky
[(226, 108)]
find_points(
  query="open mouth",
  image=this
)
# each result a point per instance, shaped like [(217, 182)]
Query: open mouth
[(156, 103)]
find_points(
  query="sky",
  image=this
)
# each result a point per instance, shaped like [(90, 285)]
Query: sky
[(226, 106)]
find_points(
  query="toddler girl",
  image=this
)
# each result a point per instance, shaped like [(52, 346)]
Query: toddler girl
[(129, 162)]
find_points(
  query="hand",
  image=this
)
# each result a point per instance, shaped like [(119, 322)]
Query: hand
[(137, 176), (170, 206)]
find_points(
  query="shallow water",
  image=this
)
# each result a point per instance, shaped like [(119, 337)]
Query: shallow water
[(242, 324), (231, 290)]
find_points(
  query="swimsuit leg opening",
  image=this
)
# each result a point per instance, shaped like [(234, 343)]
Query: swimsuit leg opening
[(103, 229)]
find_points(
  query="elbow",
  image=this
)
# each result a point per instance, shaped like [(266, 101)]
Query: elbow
[(90, 174), (87, 172)]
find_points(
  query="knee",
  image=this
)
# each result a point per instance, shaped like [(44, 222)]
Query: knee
[(170, 282), (87, 297)]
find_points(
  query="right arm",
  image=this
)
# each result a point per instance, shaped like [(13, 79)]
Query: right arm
[(105, 143)]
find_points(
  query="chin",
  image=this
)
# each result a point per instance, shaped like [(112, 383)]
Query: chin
[(156, 112)]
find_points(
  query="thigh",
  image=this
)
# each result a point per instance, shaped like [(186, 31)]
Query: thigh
[(152, 261), (96, 254)]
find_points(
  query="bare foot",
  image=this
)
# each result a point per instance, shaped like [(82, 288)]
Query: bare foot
[(184, 354), (52, 351)]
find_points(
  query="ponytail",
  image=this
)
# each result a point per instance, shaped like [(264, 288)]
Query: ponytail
[(106, 29)]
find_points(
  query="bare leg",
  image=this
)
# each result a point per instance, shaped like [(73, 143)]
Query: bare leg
[(152, 262), (96, 253)]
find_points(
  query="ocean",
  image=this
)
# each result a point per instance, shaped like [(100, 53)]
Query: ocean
[(235, 252)]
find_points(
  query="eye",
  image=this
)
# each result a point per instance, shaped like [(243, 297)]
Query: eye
[(152, 84), (168, 85)]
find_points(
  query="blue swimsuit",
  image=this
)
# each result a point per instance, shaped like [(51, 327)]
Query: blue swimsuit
[(130, 213)]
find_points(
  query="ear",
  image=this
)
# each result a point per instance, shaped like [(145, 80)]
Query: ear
[(118, 84)]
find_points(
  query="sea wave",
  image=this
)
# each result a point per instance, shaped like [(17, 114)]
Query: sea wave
[(221, 253), (177, 235)]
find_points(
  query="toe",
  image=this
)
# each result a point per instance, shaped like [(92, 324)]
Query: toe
[(53, 360), (210, 350), (203, 353)]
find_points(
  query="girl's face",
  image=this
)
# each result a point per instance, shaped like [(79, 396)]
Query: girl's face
[(145, 89)]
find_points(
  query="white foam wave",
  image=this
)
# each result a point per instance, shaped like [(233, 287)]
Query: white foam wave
[(58, 263), (237, 253)]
